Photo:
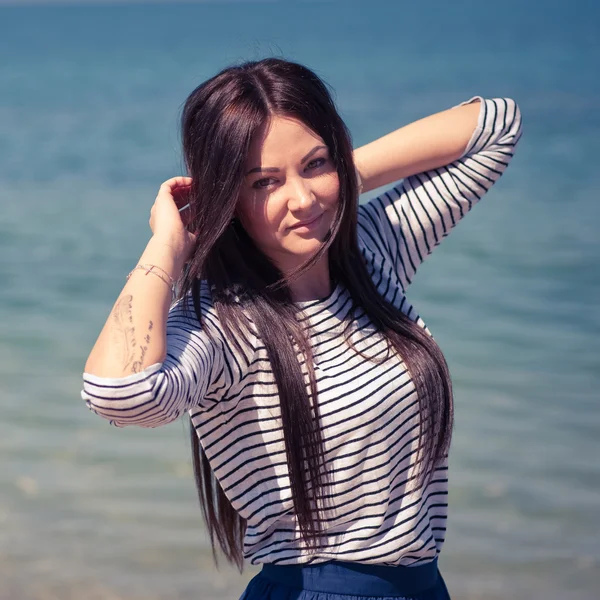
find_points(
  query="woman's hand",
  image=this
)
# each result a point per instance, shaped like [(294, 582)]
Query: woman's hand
[(170, 216)]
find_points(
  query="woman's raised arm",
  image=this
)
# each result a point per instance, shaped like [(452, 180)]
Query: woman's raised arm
[(448, 161), (134, 335), (152, 361), (426, 144)]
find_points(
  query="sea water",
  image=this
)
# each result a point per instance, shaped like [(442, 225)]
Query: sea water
[(89, 104)]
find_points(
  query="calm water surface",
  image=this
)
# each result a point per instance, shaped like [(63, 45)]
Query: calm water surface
[(88, 130)]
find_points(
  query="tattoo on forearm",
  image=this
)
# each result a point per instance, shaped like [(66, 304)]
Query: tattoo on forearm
[(138, 365), (123, 330), (124, 335)]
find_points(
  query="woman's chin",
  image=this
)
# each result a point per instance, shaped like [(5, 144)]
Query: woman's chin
[(307, 249)]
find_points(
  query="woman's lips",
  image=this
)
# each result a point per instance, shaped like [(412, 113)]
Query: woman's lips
[(308, 223)]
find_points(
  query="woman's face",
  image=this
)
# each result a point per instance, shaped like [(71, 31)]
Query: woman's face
[(290, 192)]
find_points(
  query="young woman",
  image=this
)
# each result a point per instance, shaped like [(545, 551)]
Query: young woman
[(322, 405)]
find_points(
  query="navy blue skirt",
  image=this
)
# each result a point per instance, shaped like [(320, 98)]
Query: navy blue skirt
[(338, 580)]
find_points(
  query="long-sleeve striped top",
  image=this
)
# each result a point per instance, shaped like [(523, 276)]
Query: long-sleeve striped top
[(376, 511)]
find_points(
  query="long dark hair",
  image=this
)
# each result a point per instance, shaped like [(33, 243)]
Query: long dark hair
[(219, 120)]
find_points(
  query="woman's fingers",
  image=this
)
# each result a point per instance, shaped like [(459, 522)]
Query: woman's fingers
[(178, 188), (175, 186), (179, 181), (171, 214), (172, 207), (181, 196)]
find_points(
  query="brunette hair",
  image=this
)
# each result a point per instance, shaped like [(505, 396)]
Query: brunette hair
[(220, 118)]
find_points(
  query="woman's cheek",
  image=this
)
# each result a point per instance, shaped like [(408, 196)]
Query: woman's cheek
[(264, 222), (331, 188), (276, 216)]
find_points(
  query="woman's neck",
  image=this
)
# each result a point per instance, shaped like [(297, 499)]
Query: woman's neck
[(314, 284)]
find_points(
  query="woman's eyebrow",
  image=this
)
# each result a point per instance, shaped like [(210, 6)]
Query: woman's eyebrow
[(262, 170), (276, 170), (312, 152)]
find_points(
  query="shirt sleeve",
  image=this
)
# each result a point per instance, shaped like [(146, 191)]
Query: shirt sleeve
[(408, 221), (195, 364)]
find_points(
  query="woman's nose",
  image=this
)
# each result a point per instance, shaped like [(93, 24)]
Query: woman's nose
[(300, 194)]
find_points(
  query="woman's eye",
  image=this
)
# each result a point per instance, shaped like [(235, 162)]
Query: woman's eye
[(317, 162), (261, 184)]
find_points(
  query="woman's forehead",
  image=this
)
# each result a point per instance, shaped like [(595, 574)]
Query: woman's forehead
[(281, 137)]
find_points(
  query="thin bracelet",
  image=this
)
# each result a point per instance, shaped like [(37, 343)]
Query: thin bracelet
[(154, 269)]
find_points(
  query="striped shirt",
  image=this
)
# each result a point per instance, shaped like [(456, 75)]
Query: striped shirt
[(376, 511)]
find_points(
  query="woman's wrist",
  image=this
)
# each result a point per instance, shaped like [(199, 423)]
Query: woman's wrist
[(165, 255)]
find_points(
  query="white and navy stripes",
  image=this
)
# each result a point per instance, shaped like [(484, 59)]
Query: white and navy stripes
[(375, 511)]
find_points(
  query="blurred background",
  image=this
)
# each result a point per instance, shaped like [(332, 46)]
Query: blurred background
[(90, 97)]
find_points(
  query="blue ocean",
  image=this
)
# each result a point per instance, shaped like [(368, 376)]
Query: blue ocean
[(90, 98)]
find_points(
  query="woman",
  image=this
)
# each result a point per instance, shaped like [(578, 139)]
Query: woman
[(322, 404)]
